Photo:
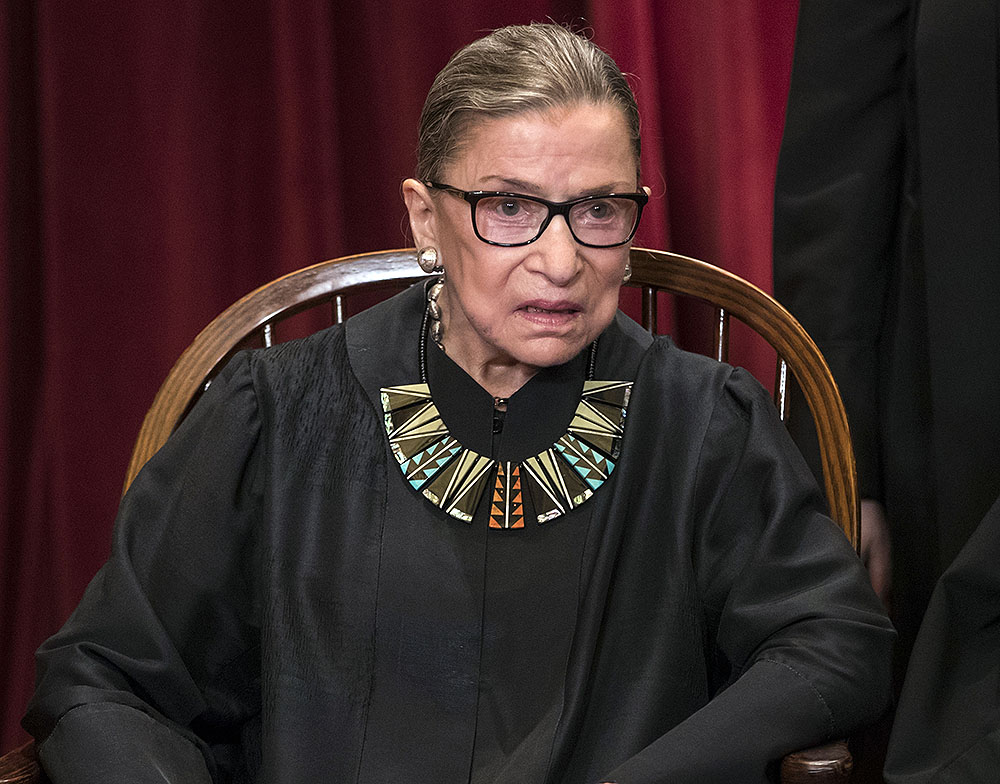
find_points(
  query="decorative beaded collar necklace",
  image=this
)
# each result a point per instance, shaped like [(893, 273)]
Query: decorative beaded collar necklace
[(556, 479)]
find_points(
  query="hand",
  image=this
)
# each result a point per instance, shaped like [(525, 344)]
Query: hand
[(876, 548)]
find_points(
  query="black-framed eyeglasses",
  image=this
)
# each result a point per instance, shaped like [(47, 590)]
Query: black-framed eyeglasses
[(511, 219)]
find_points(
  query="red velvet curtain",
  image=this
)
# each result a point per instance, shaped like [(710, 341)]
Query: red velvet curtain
[(160, 160)]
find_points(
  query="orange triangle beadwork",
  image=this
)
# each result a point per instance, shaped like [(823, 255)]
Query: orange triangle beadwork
[(556, 480)]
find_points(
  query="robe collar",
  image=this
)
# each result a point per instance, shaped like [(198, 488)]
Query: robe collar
[(537, 414)]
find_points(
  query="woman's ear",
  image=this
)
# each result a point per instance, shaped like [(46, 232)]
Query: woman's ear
[(422, 211)]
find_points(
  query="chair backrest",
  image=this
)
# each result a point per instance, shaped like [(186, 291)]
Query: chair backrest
[(255, 320)]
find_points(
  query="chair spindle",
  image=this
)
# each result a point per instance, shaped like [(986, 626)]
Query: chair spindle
[(649, 309)]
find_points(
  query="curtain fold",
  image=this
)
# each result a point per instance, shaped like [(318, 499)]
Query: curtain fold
[(161, 160)]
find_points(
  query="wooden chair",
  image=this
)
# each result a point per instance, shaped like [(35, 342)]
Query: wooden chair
[(254, 320)]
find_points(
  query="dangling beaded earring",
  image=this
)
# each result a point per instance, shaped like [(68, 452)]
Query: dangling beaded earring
[(427, 258), (627, 275), (434, 311)]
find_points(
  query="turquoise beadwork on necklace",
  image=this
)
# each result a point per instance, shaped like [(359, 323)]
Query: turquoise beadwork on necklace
[(557, 479)]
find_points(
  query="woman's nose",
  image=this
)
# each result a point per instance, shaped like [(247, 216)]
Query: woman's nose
[(556, 254)]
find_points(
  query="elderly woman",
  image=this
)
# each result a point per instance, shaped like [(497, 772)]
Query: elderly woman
[(427, 547)]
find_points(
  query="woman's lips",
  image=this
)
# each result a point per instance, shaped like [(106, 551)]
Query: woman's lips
[(553, 314)]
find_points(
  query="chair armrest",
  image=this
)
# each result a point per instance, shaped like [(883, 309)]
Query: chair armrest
[(831, 762), (20, 766)]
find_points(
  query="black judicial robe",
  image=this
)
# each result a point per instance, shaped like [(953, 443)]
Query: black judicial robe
[(887, 249), (947, 728), (281, 606)]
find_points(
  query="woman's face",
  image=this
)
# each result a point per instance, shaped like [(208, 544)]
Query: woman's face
[(514, 310)]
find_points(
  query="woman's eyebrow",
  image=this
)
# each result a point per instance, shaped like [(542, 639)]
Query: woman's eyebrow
[(521, 186), (511, 184)]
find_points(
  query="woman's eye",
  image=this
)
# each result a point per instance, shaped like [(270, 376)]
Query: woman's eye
[(600, 210), (510, 211)]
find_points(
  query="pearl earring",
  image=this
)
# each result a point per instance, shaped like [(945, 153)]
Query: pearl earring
[(428, 260)]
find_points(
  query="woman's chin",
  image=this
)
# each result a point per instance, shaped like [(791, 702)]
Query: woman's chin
[(548, 352)]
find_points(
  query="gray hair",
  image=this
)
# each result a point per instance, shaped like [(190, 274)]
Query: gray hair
[(517, 69)]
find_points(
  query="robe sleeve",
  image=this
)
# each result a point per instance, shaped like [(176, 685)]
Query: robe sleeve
[(155, 670), (794, 620), (837, 195)]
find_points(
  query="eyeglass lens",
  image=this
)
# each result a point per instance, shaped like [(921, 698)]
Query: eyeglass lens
[(510, 220)]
